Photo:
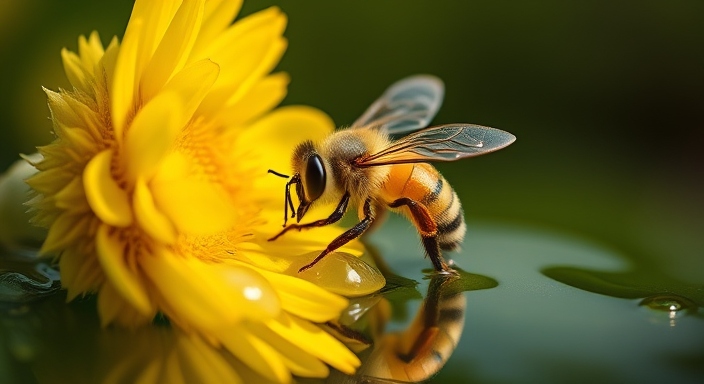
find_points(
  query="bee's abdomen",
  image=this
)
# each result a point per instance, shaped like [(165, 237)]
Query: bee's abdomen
[(421, 182), (445, 206)]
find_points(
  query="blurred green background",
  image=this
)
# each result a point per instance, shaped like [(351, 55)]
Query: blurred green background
[(605, 98)]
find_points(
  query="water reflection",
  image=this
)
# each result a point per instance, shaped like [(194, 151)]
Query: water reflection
[(54, 342), (49, 341), (419, 351)]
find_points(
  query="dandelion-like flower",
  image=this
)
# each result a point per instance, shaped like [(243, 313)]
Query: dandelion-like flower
[(155, 190)]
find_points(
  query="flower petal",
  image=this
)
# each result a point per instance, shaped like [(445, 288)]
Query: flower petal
[(192, 84), (315, 341), (111, 254), (303, 298), (157, 16), (300, 362), (255, 353), (173, 50), (90, 50), (72, 197), (75, 72), (246, 52), (152, 134), (114, 309), (262, 97), (217, 16), (105, 197), (195, 206), (155, 223), (79, 274), (202, 363), (66, 230), (208, 296), (122, 87)]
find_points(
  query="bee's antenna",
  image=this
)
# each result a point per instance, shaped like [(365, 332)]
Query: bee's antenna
[(278, 174)]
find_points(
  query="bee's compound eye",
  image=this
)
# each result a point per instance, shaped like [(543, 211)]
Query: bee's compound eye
[(315, 178)]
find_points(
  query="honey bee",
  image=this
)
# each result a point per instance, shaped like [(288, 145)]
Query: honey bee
[(364, 166)]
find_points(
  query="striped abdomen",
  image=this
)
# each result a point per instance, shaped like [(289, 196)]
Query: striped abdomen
[(422, 183)]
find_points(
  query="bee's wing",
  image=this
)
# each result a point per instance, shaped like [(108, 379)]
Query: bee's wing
[(442, 143), (407, 105)]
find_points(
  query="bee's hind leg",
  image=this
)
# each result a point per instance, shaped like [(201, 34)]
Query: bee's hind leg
[(428, 229)]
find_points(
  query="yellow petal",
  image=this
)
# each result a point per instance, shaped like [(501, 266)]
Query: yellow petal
[(217, 16), (155, 223), (195, 206), (127, 281), (262, 97), (246, 52), (304, 298), (296, 359), (108, 63), (173, 50), (122, 87), (90, 51), (152, 134), (65, 230), (70, 265), (81, 141), (75, 72), (315, 341), (208, 296), (202, 363), (256, 354), (48, 180), (113, 309), (105, 197), (72, 197), (157, 16), (192, 84)]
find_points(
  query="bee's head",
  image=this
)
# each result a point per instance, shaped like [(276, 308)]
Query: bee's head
[(309, 178)]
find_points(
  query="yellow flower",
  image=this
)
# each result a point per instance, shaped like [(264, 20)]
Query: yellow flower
[(155, 190)]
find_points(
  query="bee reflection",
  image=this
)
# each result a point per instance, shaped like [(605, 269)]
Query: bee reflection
[(422, 349)]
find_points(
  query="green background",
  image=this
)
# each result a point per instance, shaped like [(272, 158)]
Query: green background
[(605, 98)]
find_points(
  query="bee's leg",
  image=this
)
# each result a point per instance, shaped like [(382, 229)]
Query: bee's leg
[(348, 236), (380, 214), (334, 217), (428, 229)]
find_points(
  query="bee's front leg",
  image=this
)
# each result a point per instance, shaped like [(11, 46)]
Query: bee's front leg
[(333, 218), (348, 236)]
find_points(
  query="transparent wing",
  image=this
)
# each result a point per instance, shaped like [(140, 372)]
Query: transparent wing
[(442, 143), (407, 105)]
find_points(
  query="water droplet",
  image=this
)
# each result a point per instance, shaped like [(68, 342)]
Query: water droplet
[(669, 303), (342, 273)]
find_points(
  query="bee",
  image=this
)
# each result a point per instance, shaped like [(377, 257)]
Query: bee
[(364, 166)]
